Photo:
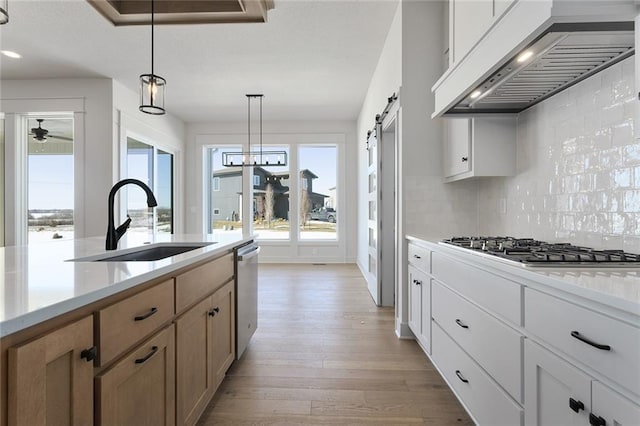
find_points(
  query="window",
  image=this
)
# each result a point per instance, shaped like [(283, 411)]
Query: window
[(223, 192), (154, 167), (271, 202), (319, 210), (256, 180), (50, 189)]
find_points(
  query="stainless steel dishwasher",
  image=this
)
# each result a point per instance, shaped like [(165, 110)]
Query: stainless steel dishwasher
[(246, 295)]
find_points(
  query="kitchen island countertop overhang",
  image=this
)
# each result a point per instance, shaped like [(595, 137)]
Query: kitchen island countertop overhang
[(40, 282)]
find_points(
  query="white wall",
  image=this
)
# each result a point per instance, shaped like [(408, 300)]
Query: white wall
[(578, 168), (386, 80), (91, 99), (200, 135)]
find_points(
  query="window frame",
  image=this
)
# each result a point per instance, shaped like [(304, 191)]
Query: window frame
[(156, 146)]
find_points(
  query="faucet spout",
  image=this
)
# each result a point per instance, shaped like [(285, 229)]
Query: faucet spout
[(114, 234)]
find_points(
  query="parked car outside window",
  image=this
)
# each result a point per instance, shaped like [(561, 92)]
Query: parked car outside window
[(324, 213)]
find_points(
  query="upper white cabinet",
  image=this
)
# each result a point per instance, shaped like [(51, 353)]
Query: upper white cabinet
[(479, 147), (485, 34)]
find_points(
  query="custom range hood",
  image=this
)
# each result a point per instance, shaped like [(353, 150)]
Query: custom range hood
[(562, 56)]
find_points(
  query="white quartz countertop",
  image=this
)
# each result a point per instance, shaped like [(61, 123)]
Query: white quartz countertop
[(40, 283), (616, 287)]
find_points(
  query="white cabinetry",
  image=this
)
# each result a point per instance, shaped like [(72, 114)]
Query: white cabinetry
[(479, 147), (476, 343), (558, 393), (591, 348), (419, 286)]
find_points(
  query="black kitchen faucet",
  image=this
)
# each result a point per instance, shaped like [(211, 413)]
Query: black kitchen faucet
[(114, 234)]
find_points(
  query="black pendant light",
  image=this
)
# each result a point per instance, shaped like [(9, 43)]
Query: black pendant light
[(251, 158), (152, 86), (4, 11)]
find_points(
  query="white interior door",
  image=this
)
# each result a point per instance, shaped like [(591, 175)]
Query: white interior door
[(373, 225)]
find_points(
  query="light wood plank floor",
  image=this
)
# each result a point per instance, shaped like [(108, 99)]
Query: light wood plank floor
[(325, 354)]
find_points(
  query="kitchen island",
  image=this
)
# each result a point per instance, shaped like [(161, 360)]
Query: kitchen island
[(528, 345), (164, 329)]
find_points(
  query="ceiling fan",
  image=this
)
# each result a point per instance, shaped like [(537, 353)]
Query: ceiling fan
[(40, 134)]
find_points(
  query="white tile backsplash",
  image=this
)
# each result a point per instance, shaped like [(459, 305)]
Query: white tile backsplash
[(578, 168)]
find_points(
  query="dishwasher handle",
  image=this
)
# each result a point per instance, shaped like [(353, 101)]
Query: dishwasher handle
[(248, 253)]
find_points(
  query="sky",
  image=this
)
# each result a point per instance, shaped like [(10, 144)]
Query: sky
[(51, 182)]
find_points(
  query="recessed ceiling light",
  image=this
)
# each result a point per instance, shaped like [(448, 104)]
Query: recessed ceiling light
[(475, 94), (11, 54), (524, 56)]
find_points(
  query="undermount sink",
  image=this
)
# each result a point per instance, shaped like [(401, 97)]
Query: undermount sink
[(145, 254)]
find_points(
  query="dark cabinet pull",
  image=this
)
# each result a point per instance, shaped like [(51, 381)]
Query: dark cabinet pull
[(417, 282), (462, 379), (464, 159), (214, 311), (576, 405), (461, 324), (89, 354), (596, 420), (154, 349), (589, 342), (416, 256), (147, 315)]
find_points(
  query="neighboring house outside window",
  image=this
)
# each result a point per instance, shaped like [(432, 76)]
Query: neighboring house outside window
[(230, 185)]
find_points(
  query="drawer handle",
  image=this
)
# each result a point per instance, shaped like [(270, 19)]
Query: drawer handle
[(214, 311), (461, 377), (576, 405), (465, 159), (461, 324), (147, 315), (416, 256), (589, 342), (154, 349), (417, 282), (89, 354), (596, 420)]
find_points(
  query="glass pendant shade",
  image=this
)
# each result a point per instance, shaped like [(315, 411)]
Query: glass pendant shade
[(4, 11), (152, 88)]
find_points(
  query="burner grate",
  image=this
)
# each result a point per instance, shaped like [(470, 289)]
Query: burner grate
[(531, 252)]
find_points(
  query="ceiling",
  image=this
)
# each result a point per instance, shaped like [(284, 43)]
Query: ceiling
[(313, 59)]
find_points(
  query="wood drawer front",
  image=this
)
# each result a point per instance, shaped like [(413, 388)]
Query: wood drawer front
[(488, 404), (124, 323), (553, 320), (199, 282), (495, 346), (420, 257), (492, 292)]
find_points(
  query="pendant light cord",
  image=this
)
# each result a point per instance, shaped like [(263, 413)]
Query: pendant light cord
[(152, 10)]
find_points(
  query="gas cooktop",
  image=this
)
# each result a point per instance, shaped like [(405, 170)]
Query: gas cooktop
[(530, 252)]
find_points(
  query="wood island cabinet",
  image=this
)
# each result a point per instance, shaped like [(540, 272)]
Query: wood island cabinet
[(205, 350), (51, 378), (151, 355), (139, 390)]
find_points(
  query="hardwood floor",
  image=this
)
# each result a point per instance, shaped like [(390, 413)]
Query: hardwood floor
[(325, 354)]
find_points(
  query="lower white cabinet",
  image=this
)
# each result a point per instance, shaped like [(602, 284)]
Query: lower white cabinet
[(485, 400), (420, 306), (558, 393)]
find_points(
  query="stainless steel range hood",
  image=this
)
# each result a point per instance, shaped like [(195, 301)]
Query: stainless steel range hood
[(561, 57)]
